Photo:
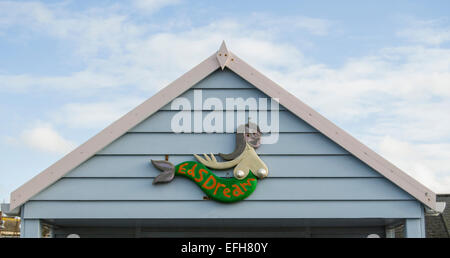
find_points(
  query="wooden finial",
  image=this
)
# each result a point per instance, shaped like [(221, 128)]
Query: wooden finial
[(223, 56)]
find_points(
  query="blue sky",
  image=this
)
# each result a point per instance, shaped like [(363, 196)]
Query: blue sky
[(379, 69)]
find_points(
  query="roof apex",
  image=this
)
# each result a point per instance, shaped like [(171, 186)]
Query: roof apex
[(223, 55)]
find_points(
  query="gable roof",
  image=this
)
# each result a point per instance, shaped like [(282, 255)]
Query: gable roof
[(222, 58)]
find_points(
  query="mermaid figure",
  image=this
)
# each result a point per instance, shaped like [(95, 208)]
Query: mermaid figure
[(248, 168)]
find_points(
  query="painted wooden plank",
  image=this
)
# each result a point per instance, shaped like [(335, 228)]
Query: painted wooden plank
[(217, 227), (413, 228), (182, 143), (30, 228), (422, 222), (184, 189), (223, 79), (210, 224), (279, 166), (161, 121), (211, 209), (222, 95)]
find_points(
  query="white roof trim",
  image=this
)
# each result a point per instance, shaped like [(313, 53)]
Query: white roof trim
[(189, 79)]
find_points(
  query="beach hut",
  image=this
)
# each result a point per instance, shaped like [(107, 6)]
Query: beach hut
[(273, 167)]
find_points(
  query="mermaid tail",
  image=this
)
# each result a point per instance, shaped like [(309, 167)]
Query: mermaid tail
[(217, 188), (168, 171)]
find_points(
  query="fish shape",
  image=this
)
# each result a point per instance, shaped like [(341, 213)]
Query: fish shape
[(221, 189)]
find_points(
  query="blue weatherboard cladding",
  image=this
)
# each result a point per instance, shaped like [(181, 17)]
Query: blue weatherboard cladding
[(309, 175)]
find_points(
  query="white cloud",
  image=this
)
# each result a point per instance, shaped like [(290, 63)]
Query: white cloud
[(95, 31), (44, 138), (84, 81), (12, 13), (428, 163), (153, 5), (420, 121), (95, 115), (119, 52), (291, 24), (396, 77), (430, 32)]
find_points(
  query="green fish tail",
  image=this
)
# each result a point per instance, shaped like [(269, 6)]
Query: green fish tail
[(217, 188)]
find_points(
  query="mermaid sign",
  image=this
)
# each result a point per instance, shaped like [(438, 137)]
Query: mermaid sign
[(248, 168)]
